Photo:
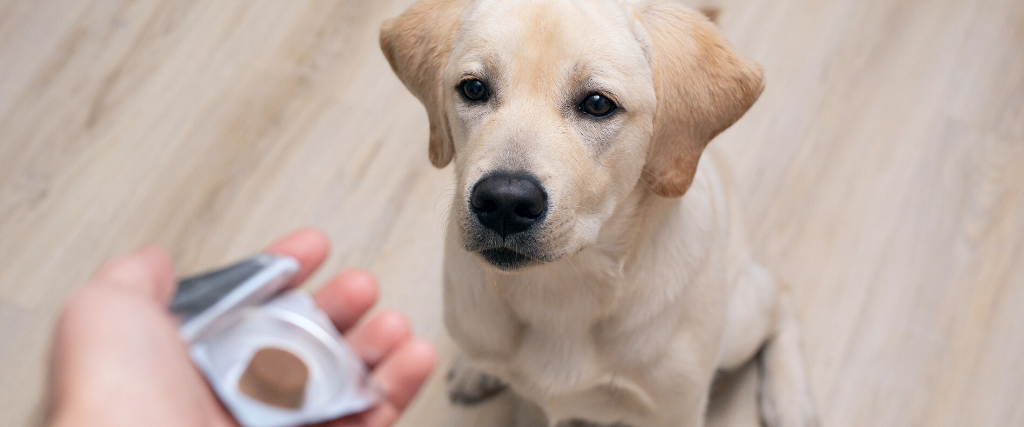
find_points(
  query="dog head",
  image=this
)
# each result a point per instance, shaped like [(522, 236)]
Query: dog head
[(554, 111)]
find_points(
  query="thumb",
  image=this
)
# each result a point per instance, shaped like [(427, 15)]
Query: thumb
[(148, 273)]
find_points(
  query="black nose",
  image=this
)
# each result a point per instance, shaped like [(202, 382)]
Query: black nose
[(508, 203)]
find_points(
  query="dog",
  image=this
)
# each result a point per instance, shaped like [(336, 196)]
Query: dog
[(595, 261)]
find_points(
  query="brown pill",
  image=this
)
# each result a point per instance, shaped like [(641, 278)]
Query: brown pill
[(275, 377)]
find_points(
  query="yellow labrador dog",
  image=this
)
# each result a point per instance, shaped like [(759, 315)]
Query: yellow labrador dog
[(593, 266)]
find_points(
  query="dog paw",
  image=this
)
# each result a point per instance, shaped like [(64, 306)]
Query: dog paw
[(467, 386)]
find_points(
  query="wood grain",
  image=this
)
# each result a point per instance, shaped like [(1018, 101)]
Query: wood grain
[(882, 172)]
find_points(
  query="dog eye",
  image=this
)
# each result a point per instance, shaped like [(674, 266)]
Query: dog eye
[(473, 90), (597, 105)]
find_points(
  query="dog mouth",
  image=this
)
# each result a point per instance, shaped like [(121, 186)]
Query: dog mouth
[(505, 259)]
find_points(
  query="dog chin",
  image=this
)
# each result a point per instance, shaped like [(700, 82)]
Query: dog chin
[(499, 253), (505, 259)]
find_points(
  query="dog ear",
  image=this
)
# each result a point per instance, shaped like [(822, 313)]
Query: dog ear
[(703, 86), (417, 44), (711, 12)]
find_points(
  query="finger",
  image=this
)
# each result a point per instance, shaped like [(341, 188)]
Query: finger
[(401, 375), (148, 272), (403, 372), (378, 337), (308, 246), (383, 415), (347, 297)]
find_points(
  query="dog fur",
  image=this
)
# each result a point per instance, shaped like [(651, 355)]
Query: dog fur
[(640, 285)]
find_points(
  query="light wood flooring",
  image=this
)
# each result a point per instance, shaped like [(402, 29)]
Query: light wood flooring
[(882, 173)]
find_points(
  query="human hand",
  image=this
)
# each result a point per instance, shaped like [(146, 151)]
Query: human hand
[(117, 359)]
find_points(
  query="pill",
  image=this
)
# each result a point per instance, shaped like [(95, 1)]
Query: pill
[(275, 377)]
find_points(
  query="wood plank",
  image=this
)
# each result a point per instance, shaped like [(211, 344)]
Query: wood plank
[(882, 172)]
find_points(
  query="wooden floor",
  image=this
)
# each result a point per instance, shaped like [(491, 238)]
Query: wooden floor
[(882, 171)]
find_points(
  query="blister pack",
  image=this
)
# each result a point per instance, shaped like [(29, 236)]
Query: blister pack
[(271, 355)]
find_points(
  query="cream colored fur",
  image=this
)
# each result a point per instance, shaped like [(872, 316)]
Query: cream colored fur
[(636, 296)]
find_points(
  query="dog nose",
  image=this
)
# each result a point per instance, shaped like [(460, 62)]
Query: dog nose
[(508, 203)]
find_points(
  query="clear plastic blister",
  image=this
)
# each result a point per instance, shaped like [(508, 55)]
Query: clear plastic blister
[(231, 314)]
